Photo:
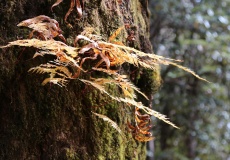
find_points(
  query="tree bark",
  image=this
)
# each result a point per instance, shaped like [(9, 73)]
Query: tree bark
[(50, 122)]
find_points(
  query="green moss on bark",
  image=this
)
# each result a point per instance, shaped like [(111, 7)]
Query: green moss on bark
[(49, 122)]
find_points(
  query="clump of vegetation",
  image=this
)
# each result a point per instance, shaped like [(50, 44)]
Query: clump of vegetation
[(103, 56)]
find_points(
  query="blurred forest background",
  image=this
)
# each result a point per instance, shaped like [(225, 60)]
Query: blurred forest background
[(197, 32)]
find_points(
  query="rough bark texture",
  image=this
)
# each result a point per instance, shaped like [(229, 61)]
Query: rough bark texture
[(50, 122)]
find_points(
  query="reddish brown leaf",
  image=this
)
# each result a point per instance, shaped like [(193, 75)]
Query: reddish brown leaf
[(55, 4)]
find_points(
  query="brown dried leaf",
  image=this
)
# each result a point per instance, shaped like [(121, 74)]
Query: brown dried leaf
[(56, 4), (46, 27), (73, 3)]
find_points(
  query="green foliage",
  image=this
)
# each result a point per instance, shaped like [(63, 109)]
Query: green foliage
[(198, 33)]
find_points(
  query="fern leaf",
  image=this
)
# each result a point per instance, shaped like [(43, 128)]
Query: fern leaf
[(148, 110), (123, 82), (58, 81), (146, 60), (49, 45), (111, 122), (99, 87), (52, 69), (115, 34)]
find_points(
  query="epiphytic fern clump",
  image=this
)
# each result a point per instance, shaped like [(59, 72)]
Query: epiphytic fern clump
[(69, 63)]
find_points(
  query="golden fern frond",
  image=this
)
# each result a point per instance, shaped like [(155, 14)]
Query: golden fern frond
[(42, 53), (128, 86), (98, 86), (128, 92), (115, 34), (147, 60), (125, 84), (65, 54), (126, 89), (108, 71), (122, 81), (52, 69), (41, 69), (58, 81), (91, 33), (147, 110), (111, 122), (190, 71), (49, 45)]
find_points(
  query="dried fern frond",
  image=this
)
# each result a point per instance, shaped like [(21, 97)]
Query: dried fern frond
[(146, 60), (126, 85), (66, 56), (64, 53), (111, 122), (108, 71), (127, 90), (147, 110), (123, 82), (101, 88), (90, 33), (189, 71), (58, 81), (49, 45), (119, 54), (115, 34), (52, 70)]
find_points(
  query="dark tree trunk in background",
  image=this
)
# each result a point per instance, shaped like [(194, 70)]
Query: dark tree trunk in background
[(50, 122)]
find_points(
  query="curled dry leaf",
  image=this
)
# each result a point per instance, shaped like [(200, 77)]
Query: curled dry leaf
[(140, 130), (56, 4), (45, 27), (74, 3)]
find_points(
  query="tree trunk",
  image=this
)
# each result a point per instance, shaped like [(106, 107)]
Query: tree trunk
[(50, 122)]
